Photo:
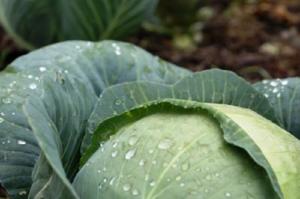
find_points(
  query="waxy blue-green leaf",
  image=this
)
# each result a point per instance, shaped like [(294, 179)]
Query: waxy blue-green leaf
[(214, 86), (284, 96), (35, 23), (97, 66)]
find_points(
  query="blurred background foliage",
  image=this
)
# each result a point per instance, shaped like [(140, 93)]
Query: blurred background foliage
[(256, 38)]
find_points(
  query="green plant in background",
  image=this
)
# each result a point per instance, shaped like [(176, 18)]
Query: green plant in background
[(108, 120), (37, 23), (182, 20)]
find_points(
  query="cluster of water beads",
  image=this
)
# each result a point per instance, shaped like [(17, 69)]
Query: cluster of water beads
[(22, 193), (117, 49), (164, 144), (275, 86)]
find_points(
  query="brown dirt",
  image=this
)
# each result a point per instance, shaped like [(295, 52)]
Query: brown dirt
[(255, 40)]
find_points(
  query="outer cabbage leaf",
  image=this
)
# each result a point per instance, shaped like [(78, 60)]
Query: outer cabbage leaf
[(214, 86), (284, 96), (93, 67), (35, 23)]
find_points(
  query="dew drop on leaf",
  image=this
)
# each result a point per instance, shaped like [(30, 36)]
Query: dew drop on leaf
[(208, 177), (165, 144), (142, 163), (152, 183), (135, 192), (284, 82), (1, 120), (130, 154), (6, 100), (151, 151), (22, 193), (273, 83), (21, 142), (42, 69), (227, 194), (126, 187), (114, 154), (133, 140), (111, 182), (178, 178), (185, 166), (118, 102), (32, 86), (115, 144)]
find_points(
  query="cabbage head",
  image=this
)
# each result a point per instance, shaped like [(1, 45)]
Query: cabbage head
[(84, 120)]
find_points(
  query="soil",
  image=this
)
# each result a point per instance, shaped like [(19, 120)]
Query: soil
[(257, 41)]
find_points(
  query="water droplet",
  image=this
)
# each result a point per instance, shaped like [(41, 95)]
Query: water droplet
[(165, 144), (118, 102), (285, 82), (114, 154), (21, 142), (208, 177), (185, 166), (152, 183), (126, 187), (100, 186), (227, 194), (2, 114), (275, 90), (30, 76), (42, 69), (32, 86), (130, 154), (142, 163), (133, 140), (1, 120), (111, 182), (118, 52), (135, 192), (182, 184), (98, 171), (22, 193), (105, 180), (266, 95), (151, 151), (115, 144), (146, 177), (178, 178), (6, 100), (13, 113), (274, 83), (104, 169), (278, 95)]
